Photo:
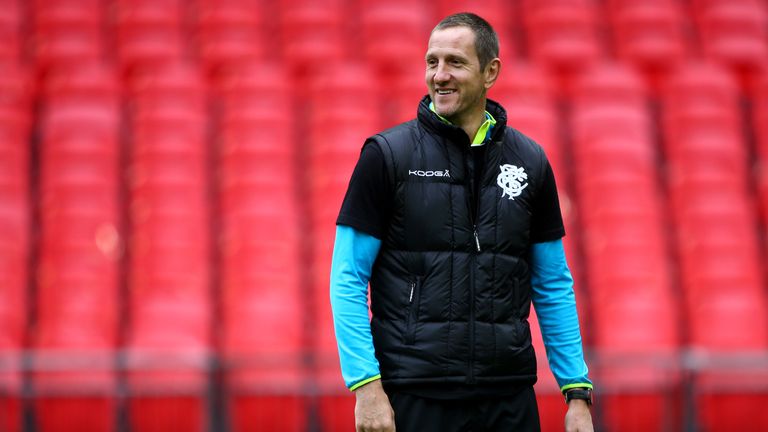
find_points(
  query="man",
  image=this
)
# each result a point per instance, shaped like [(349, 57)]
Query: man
[(454, 219)]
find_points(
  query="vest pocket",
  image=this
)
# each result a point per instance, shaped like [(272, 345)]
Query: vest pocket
[(412, 310)]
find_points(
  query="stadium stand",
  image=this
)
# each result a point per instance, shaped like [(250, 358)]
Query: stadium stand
[(634, 312), (651, 35), (15, 241), (171, 172), (80, 243), (169, 337), (265, 369)]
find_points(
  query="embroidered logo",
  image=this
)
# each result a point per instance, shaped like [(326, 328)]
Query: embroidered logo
[(421, 173), (511, 180)]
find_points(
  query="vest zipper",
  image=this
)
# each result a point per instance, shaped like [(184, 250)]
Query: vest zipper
[(471, 372), (474, 204), (410, 321)]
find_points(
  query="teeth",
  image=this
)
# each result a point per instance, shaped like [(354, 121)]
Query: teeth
[(444, 92)]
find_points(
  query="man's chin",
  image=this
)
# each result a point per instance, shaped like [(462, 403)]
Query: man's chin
[(445, 111)]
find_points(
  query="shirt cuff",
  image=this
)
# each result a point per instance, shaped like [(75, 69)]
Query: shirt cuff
[(567, 387), (359, 384)]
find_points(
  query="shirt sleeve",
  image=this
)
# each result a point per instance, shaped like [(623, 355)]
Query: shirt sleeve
[(354, 253), (546, 219), (555, 304), (367, 205)]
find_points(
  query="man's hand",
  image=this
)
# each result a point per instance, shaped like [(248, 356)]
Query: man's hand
[(578, 417), (373, 412)]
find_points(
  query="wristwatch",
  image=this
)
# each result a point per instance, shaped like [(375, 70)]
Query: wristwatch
[(579, 393)]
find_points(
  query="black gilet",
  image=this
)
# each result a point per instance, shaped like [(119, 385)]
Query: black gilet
[(450, 289)]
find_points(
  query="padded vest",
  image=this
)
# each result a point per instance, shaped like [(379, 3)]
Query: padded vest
[(450, 289)]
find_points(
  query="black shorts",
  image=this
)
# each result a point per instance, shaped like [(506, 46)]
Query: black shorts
[(518, 412)]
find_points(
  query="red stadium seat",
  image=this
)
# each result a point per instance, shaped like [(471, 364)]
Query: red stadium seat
[(264, 360), (524, 83), (269, 81), (609, 85), (622, 320), (11, 415), (17, 88), (741, 317), (11, 19), (625, 267), (736, 34), (733, 410), (69, 413), (154, 413), (563, 35), (167, 351), (174, 79), (337, 411), (140, 46), (68, 32), (350, 85), (14, 255), (613, 130), (230, 32), (727, 397), (642, 410), (267, 412), (313, 35), (388, 34), (651, 34), (407, 87), (703, 85), (86, 81), (760, 122)]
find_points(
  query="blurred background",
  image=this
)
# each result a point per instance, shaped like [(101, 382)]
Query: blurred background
[(171, 170)]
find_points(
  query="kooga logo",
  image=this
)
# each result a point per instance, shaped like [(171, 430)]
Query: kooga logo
[(420, 173)]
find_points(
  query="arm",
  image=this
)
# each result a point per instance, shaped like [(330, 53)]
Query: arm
[(354, 253), (555, 305)]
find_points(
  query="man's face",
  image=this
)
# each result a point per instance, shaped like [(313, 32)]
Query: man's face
[(455, 81)]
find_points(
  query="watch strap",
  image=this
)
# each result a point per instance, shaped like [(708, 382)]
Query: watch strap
[(579, 393)]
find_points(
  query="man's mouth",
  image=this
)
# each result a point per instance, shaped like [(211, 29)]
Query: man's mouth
[(444, 92)]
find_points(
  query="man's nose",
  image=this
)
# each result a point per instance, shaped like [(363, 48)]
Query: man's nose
[(441, 74)]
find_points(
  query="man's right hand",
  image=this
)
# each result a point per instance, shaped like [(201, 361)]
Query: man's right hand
[(373, 412)]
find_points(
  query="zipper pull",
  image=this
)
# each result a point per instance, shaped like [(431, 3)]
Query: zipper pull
[(410, 296), (477, 239)]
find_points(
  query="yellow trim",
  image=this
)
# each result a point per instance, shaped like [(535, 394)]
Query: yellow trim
[(443, 119), (482, 132), (364, 382), (567, 387)]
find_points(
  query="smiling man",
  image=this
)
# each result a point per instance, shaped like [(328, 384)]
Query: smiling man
[(455, 221)]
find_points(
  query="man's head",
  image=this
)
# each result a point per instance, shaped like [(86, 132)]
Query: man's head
[(462, 64), (486, 40)]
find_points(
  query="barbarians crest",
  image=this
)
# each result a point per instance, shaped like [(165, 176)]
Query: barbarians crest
[(512, 180)]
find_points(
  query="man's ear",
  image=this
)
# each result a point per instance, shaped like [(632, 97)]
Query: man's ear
[(492, 70)]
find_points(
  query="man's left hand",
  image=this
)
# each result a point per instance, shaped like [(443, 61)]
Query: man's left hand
[(578, 417)]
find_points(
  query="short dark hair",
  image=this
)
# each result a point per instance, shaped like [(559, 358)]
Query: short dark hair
[(486, 40)]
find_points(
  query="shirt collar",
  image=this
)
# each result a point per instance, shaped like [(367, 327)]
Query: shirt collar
[(483, 133)]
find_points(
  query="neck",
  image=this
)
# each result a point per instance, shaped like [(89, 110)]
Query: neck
[(471, 123)]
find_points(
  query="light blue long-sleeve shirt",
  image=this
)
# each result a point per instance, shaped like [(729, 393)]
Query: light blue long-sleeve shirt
[(354, 253)]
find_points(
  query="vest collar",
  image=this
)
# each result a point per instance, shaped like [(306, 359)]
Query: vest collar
[(439, 125), (483, 133)]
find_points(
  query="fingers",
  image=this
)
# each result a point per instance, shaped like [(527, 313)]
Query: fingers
[(379, 424)]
